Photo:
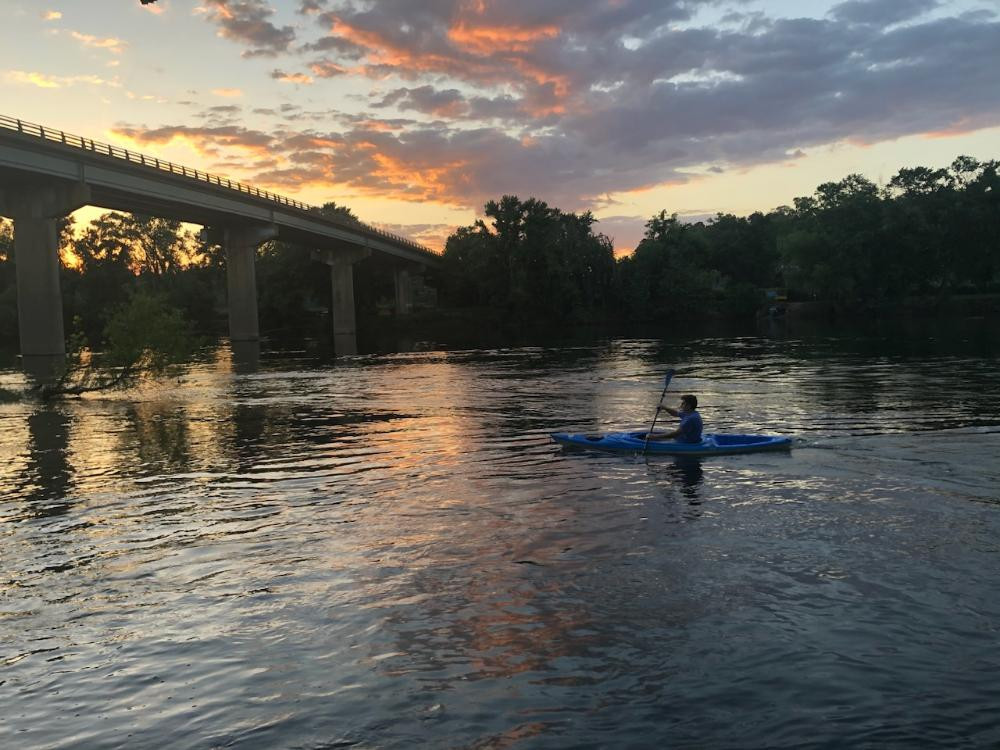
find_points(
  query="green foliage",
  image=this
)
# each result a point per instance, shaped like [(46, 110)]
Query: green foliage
[(689, 270), (534, 261), (141, 244), (331, 210), (291, 287), (928, 232), (118, 254), (144, 337)]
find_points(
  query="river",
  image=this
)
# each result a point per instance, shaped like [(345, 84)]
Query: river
[(387, 551)]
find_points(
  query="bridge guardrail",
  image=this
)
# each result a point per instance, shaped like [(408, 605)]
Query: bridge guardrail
[(106, 149)]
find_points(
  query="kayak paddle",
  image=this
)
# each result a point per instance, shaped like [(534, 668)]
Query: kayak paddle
[(666, 384)]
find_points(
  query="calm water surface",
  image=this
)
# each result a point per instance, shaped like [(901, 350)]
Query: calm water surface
[(387, 551)]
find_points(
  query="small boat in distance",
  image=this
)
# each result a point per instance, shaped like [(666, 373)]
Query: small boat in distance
[(711, 445)]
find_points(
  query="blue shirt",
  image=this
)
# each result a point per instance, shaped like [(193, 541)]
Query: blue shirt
[(690, 427)]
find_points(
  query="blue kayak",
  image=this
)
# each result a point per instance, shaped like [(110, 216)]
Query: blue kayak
[(711, 445)]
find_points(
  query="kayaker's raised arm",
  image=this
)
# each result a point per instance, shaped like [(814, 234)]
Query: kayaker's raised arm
[(689, 430)]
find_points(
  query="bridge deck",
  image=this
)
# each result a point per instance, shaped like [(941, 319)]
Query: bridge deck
[(124, 180)]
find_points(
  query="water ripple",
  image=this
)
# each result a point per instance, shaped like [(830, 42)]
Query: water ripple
[(389, 551)]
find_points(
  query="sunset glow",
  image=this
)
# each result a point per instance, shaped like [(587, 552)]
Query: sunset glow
[(415, 114)]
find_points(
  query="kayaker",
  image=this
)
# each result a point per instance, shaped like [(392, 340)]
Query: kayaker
[(689, 430)]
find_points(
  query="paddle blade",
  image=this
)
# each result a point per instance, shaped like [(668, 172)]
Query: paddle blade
[(667, 378)]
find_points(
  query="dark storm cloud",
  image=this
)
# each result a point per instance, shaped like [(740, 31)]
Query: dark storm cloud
[(246, 21)]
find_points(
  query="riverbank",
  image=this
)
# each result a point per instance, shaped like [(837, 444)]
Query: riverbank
[(959, 305)]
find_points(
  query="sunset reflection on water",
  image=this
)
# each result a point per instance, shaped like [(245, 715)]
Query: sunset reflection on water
[(388, 549)]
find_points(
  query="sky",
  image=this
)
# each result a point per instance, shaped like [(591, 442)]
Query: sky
[(414, 113)]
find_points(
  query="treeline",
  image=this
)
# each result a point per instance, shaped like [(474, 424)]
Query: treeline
[(533, 260), (927, 232), (115, 255)]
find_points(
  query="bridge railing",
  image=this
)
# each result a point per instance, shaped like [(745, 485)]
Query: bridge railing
[(88, 144)]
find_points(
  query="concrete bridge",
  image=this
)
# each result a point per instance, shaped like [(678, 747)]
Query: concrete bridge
[(46, 174)]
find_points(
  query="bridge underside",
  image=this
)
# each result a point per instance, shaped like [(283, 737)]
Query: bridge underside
[(37, 201)]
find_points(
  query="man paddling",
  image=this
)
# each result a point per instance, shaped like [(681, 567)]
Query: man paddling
[(689, 430)]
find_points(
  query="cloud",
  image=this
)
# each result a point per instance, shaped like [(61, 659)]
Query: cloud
[(327, 69), (623, 231), (426, 99), (222, 113), (213, 142), (512, 45), (311, 6), (346, 49), (882, 12), (51, 15), (280, 75), (46, 81), (580, 99), (429, 235), (228, 93), (246, 22), (111, 44)]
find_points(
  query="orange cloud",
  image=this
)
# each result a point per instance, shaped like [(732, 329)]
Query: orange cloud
[(318, 142), (487, 40), (51, 15), (208, 143), (44, 81), (228, 93), (112, 45), (327, 69), (364, 167), (422, 183), (961, 127), (379, 126), (477, 61)]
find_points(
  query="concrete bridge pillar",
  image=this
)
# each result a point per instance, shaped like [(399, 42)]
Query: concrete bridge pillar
[(240, 244), (345, 327), (36, 211), (404, 291)]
